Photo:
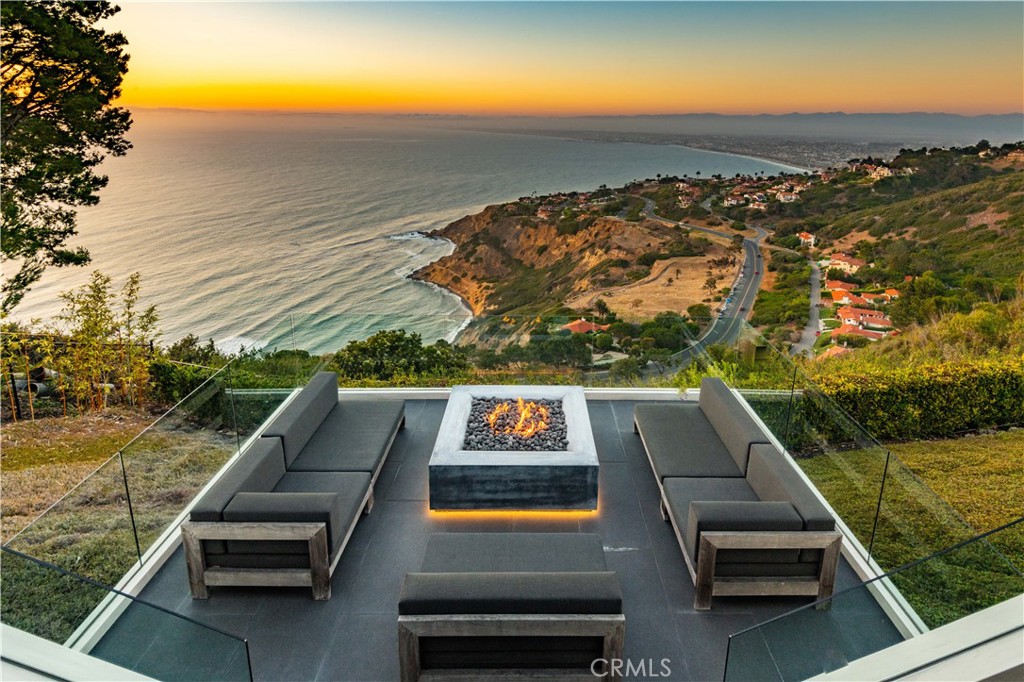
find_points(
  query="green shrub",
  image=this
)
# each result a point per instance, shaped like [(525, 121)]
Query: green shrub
[(930, 401)]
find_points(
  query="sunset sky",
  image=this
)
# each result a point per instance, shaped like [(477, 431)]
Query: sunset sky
[(577, 58)]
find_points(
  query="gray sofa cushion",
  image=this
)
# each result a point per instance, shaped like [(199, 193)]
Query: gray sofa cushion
[(257, 469), (742, 516), (510, 552), (287, 507), (773, 478), (681, 492), (351, 489), (535, 593), (354, 436), (299, 420), (681, 442), (731, 421)]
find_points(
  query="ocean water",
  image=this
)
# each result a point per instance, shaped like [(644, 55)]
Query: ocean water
[(299, 230)]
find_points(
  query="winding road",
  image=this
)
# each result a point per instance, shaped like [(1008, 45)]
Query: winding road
[(744, 290)]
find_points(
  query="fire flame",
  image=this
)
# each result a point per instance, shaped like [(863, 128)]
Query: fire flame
[(527, 420)]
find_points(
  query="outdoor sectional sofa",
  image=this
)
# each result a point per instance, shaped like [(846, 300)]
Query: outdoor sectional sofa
[(283, 512), (747, 523), (529, 605)]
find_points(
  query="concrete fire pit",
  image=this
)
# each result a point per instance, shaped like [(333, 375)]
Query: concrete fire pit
[(463, 479)]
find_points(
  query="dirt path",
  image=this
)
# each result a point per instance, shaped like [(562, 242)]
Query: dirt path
[(655, 293)]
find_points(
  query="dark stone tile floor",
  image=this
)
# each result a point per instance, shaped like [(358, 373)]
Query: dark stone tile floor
[(353, 635)]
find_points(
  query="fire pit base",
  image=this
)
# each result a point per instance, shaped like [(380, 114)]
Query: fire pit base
[(514, 480)]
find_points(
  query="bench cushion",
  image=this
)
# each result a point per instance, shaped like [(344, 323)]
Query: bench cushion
[(511, 552), (336, 498), (742, 516), (300, 418), (257, 469), (354, 436), (772, 477), (510, 592), (734, 425), (681, 442), (681, 492)]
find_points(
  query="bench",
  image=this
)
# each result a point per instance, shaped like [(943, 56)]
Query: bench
[(540, 605), (746, 522), (283, 512)]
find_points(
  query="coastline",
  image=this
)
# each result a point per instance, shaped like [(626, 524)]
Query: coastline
[(581, 136), (778, 162), (451, 337)]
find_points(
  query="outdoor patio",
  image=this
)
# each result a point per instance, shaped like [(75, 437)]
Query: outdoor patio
[(353, 636)]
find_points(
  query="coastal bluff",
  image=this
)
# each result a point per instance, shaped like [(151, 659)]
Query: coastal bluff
[(514, 257)]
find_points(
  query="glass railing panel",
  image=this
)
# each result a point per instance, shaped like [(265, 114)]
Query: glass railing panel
[(819, 638), (843, 461), (89, 531), (169, 462), (58, 606)]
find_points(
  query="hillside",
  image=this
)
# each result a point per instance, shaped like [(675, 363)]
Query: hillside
[(976, 229), (508, 261)]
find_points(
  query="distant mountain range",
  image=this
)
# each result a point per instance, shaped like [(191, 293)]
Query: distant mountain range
[(907, 128)]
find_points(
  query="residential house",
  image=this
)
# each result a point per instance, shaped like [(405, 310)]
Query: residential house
[(806, 239), (787, 197), (851, 330), (833, 352), (892, 293), (839, 284), (841, 261), (582, 326)]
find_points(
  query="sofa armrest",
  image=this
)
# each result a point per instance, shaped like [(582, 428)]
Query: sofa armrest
[(288, 507), (738, 516)]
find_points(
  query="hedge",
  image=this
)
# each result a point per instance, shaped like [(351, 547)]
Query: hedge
[(931, 401)]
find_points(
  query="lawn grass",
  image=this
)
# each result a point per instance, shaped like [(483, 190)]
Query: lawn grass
[(69, 440), (931, 489), (981, 477)]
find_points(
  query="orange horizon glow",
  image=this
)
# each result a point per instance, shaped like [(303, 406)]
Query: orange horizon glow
[(537, 59)]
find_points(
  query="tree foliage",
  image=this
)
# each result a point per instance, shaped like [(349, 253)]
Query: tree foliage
[(59, 75), (394, 353)]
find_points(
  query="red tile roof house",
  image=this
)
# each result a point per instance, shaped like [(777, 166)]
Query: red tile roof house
[(840, 297), (892, 293), (833, 284), (876, 299), (845, 263), (806, 239), (582, 326), (857, 331), (833, 352)]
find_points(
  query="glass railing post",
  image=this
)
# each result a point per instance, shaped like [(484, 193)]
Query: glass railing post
[(878, 507), (131, 511)]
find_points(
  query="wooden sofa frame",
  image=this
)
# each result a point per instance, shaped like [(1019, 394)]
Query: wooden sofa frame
[(317, 576), (611, 627), (708, 586)]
